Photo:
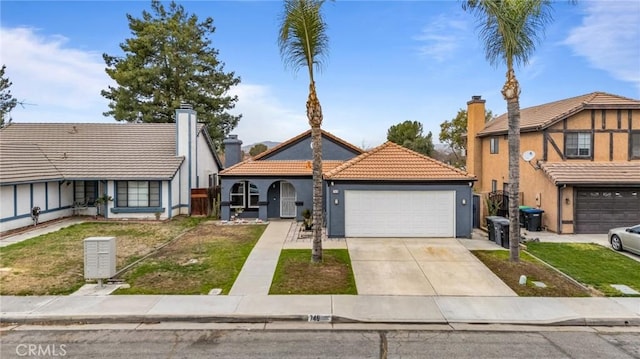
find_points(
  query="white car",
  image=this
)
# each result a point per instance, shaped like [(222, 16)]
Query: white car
[(625, 239)]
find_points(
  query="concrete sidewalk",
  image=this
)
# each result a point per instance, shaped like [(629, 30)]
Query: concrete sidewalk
[(248, 302), (39, 230), (324, 309)]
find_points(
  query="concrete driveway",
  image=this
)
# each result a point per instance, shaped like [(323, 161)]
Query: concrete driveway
[(420, 266)]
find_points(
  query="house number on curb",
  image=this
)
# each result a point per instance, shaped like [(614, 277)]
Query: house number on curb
[(317, 318)]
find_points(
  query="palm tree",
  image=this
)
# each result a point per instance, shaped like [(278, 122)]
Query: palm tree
[(510, 30), (303, 42)]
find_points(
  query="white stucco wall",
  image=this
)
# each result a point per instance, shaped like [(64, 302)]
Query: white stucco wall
[(205, 164), (53, 198)]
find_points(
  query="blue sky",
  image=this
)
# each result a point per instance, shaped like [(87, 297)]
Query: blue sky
[(389, 61)]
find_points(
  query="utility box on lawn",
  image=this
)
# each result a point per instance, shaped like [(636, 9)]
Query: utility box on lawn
[(99, 258)]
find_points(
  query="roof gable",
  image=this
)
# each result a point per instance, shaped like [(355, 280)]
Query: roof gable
[(294, 149), (545, 115), (391, 161)]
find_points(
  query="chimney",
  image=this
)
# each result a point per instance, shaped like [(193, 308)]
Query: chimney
[(186, 129), (232, 150), (475, 124)]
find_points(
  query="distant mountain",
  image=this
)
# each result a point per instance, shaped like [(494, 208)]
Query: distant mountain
[(269, 144), (441, 147)]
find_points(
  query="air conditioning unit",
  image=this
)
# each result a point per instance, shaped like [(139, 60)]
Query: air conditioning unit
[(99, 258)]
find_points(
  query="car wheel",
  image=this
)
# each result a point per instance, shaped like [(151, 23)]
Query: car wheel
[(616, 243)]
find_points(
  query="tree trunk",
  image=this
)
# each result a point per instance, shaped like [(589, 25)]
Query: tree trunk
[(314, 114), (511, 93)]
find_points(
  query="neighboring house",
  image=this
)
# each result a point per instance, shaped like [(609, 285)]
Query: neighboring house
[(147, 169), (586, 172), (389, 191)]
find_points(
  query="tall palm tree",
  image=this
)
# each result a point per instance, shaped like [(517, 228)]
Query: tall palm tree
[(303, 42), (510, 30)]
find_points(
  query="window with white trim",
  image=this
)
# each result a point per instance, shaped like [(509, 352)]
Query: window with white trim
[(577, 144), (138, 194), (244, 194), (237, 195)]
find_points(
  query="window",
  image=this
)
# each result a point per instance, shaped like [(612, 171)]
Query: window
[(493, 144), (634, 146), (86, 192), (138, 194), (237, 195), (577, 144), (240, 192)]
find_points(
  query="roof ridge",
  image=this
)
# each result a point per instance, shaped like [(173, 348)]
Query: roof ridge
[(354, 160), (431, 159), (303, 135)]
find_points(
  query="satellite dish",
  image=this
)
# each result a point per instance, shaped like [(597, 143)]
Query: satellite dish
[(528, 155)]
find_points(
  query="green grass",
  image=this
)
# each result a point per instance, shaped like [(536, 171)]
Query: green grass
[(510, 272), (53, 263), (590, 264), (209, 257), (296, 274)]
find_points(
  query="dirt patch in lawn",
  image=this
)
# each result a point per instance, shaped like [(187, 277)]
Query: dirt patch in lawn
[(296, 274), (209, 256), (54, 263), (510, 272)]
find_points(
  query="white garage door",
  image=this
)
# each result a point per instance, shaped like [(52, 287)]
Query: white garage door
[(400, 213)]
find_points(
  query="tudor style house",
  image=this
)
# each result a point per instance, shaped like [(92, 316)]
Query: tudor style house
[(584, 168), (144, 170), (389, 191)]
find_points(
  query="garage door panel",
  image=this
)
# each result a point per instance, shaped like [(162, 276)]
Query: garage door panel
[(400, 213), (600, 209)]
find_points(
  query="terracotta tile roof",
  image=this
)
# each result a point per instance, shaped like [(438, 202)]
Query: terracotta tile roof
[(26, 163), (97, 150), (276, 168), (592, 173), (391, 162), (303, 135), (542, 116)]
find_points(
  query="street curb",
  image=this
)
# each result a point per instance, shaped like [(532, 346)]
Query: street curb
[(150, 319)]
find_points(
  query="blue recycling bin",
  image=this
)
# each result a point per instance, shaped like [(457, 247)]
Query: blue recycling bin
[(533, 219)]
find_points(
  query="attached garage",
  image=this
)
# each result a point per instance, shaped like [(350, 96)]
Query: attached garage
[(392, 191), (399, 213), (599, 209)]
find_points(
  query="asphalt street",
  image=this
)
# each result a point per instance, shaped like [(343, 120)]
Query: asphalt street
[(548, 343)]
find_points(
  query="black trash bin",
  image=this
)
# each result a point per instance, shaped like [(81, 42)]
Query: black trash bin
[(491, 228), (533, 219), (502, 232), (522, 219)]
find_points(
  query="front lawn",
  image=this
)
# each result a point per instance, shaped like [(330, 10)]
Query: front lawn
[(53, 263), (590, 264), (210, 256), (296, 274), (510, 272)]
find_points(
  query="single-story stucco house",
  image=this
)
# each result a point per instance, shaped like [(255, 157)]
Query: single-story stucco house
[(147, 170), (389, 191)]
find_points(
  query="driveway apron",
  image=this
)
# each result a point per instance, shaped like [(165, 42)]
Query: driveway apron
[(420, 266)]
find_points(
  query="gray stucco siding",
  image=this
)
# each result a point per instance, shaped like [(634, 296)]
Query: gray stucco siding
[(301, 150), (336, 212), (268, 195)]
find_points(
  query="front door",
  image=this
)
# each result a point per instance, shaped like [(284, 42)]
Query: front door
[(287, 200)]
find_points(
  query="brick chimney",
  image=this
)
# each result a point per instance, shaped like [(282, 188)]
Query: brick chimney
[(232, 150), (475, 123)]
